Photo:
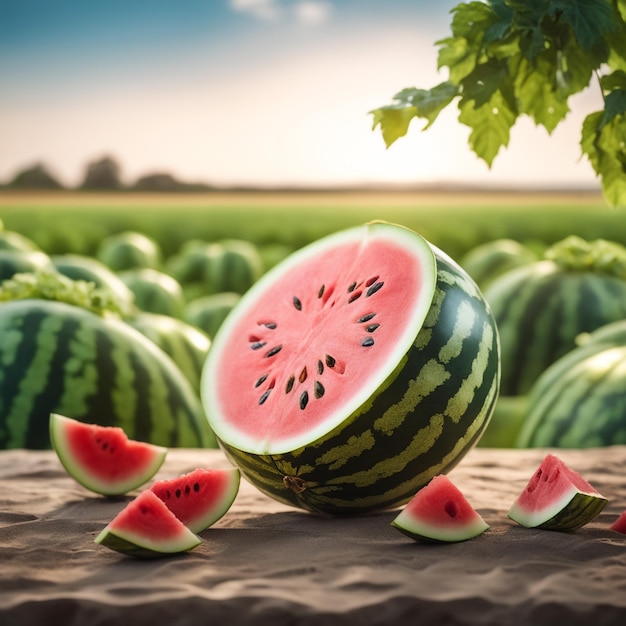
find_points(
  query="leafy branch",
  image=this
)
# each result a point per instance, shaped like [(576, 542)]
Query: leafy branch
[(509, 58)]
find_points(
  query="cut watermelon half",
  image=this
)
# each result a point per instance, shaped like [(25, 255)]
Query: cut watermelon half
[(440, 513), (556, 498), (200, 498), (146, 528), (102, 458)]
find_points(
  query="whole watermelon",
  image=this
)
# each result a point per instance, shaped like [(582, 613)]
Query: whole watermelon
[(541, 308), (87, 364)]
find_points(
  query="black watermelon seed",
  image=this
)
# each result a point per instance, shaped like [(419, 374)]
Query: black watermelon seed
[(366, 318), (270, 325), (374, 288), (297, 303), (304, 400), (354, 296), (320, 367), (105, 445), (367, 342), (168, 494), (273, 351), (371, 281), (264, 397), (319, 389), (330, 361), (257, 345), (261, 380), (196, 487), (352, 287), (290, 383), (320, 293), (178, 493), (187, 489), (372, 327), (303, 375)]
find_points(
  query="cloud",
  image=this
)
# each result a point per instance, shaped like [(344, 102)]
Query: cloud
[(304, 12)]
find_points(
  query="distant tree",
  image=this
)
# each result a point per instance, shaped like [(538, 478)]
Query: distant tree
[(102, 174), (158, 182), (34, 177)]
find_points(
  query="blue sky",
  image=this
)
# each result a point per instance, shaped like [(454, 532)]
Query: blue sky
[(265, 92)]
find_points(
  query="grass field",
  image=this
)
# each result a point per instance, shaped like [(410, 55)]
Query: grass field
[(455, 221)]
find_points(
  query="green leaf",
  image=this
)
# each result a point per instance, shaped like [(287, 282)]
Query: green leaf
[(491, 125), (591, 21), (484, 81), (394, 120)]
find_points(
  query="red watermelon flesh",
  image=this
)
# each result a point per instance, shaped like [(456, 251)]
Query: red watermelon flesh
[(147, 528), (102, 458), (303, 352), (439, 512), (619, 525), (200, 498), (556, 498)]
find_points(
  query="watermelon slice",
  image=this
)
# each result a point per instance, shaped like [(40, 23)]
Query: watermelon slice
[(440, 513), (200, 498), (619, 525), (102, 458), (146, 528), (556, 498)]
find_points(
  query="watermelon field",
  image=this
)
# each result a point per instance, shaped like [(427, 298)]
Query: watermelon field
[(550, 265)]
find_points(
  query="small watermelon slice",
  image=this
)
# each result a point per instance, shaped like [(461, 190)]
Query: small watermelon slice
[(619, 525), (556, 498), (440, 513), (102, 458), (146, 528), (200, 498)]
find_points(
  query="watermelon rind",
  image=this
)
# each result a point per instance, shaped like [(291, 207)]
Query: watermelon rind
[(201, 518), (138, 542), (415, 418), (87, 478), (422, 531)]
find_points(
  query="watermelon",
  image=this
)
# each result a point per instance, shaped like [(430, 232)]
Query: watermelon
[(146, 528), (201, 497), (487, 261), (541, 308), (129, 249), (18, 261), (89, 365), (185, 344), (208, 312), (102, 458), (556, 498), (11, 240), (440, 513), (579, 402), (353, 372), (155, 291), (80, 267), (619, 525)]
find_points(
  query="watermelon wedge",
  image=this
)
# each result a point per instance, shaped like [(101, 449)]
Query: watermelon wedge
[(440, 513), (556, 498), (200, 498), (146, 528), (102, 458), (619, 525)]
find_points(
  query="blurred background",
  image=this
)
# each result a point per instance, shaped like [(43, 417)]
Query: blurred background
[(253, 93)]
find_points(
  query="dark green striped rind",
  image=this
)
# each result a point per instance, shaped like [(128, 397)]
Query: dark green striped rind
[(580, 510), (155, 291), (186, 345), (541, 308), (113, 541), (583, 406), (59, 358), (429, 413)]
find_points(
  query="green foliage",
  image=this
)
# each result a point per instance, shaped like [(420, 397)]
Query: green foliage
[(510, 58)]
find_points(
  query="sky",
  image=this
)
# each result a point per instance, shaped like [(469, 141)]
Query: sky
[(247, 92)]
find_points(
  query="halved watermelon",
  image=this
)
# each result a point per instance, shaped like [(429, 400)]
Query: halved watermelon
[(147, 528), (353, 372), (619, 525), (440, 513), (199, 498), (556, 498), (102, 458)]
